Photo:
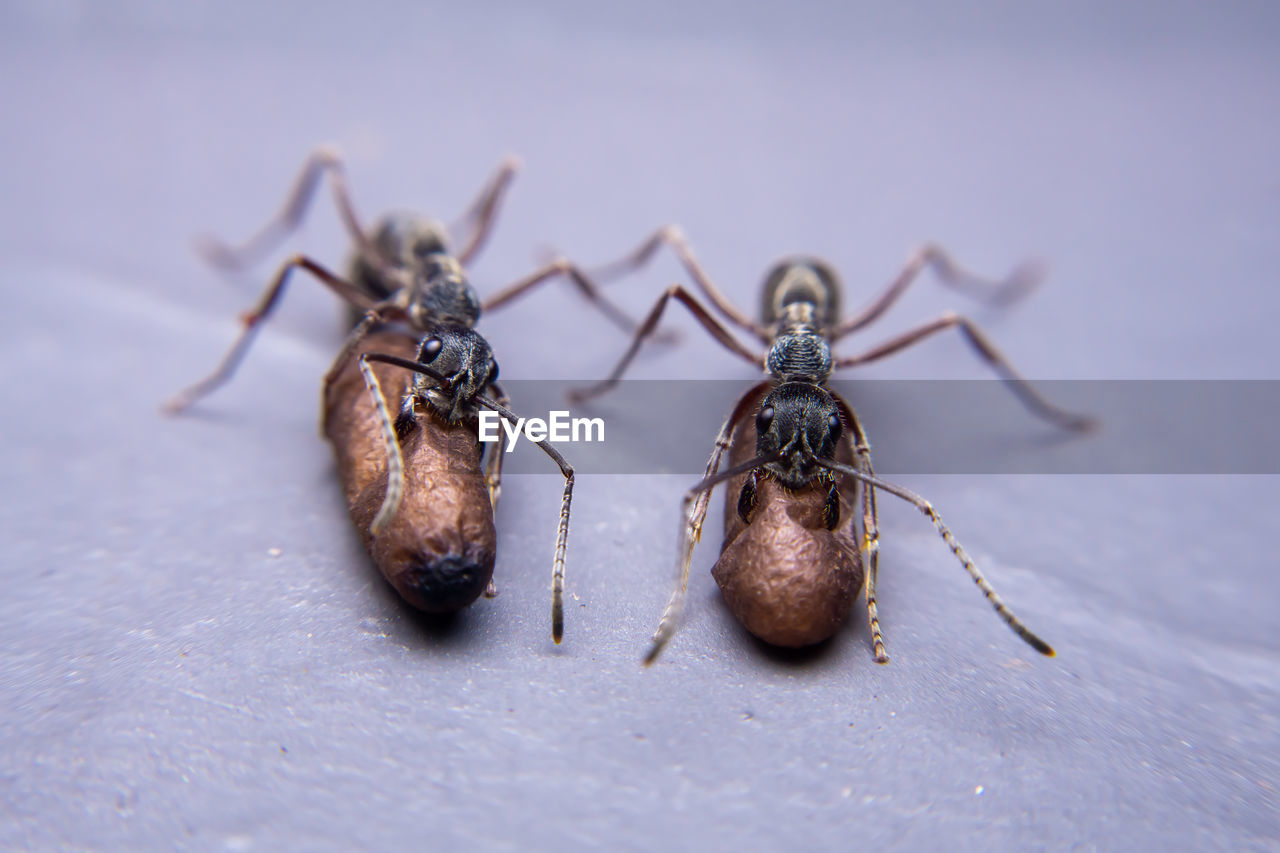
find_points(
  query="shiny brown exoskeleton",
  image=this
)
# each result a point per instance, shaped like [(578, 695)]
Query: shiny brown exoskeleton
[(421, 489), (796, 551)]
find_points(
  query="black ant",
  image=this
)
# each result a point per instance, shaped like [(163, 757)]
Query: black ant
[(793, 558), (435, 542)]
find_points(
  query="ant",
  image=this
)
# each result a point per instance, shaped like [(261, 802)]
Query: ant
[(793, 558), (413, 312)]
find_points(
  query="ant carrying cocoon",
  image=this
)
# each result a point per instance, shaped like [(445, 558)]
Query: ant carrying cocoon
[(421, 488), (796, 549)]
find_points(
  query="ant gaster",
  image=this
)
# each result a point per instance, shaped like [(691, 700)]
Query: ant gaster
[(795, 554), (413, 340)]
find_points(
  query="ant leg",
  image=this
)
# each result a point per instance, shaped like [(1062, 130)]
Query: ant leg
[(1020, 387), (381, 312), (480, 217), (709, 322), (1014, 623), (395, 460), (690, 533), (1022, 280), (493, 469), (672, 236), (253, 318), (566, 268), (562, 530), (694, 516), (870, 548), (493, 465), (871, 552), (323, 159)]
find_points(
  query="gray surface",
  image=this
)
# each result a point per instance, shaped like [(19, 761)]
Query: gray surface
[(165, 680)]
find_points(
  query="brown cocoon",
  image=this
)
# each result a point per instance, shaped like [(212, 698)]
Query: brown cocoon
[(438, 550), (787, 578)]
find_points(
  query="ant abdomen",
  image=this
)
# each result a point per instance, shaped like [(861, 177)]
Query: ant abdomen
[(801, 279)]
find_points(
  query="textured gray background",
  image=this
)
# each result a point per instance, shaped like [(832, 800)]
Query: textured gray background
[(164, 680)]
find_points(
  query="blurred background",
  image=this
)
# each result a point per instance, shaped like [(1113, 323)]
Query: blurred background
[(195, 649)]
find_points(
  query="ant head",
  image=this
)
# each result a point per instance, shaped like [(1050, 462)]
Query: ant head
[(801, 280), (801, 421), (404, 239), (442, 295), (465, 359)]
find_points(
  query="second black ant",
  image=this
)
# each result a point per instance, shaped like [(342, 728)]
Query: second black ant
[(795, 554)]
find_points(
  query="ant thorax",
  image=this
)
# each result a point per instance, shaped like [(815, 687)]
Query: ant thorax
[(799, 351), (442, 295)]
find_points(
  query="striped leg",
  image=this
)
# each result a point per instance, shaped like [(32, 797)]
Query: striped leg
[(253, 319), (323, 159), (870, 546), (689, 536), (493, 470), (1014, 623)]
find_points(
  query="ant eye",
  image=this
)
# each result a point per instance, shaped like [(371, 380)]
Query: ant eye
[(764, 419), (430, 349), (834, 426), (493, 371)]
